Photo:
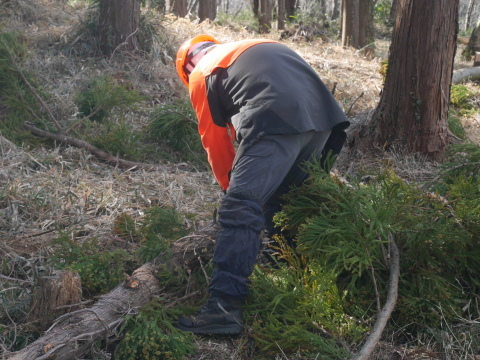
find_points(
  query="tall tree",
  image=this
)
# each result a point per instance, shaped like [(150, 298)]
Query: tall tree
[(357, 23), (468, 15), (474, 42), (413, 108), (281, 14), (178, 7), (291, 9), (207, 9), (263, 12), (335, 9), (118, 24)]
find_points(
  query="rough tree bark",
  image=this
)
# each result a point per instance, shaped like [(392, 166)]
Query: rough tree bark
[(357, 23), (118, 24), (54, 296), (207, 9), (281, 15), (73, 334), (413, 108), (290, 8), (474, 42), (468, 15), (350, 23), (179, 7)]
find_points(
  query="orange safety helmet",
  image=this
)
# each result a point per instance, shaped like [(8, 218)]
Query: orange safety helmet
[(184, 51)]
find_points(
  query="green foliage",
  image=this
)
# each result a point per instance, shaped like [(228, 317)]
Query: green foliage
[(159, 226), (175, 124), (293, 309), (459, 96), (150, 335), (125, 227), (381, 12), (119, 138), (100, 271), (17, 101), (347, 228), (456, 127), (103, 95)]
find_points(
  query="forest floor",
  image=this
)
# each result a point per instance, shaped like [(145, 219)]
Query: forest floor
[(44, 190)]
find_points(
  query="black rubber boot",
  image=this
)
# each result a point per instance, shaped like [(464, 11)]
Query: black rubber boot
[(219, 316)]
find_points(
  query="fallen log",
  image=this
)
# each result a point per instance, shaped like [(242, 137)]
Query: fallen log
[(75, 333), (466, 74), (113, 160)]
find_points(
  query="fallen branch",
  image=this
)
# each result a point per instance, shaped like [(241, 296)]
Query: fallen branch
[(37, 96), (462, 75), (366, 351), (124, 164), (73, 334)]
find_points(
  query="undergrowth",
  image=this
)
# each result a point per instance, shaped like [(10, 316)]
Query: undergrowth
[(346, 228), (150, 335), (176, 125), (17, 102), (298, 309)]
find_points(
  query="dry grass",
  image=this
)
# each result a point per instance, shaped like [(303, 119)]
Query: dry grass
[(43, 191)]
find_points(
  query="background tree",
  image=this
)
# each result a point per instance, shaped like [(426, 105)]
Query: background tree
[(474, 42), (281, 14), (178, 7), (413, 108), (291, 9), (357, 23), (468, 15), (119, 21), (263, 12), (207, 9)]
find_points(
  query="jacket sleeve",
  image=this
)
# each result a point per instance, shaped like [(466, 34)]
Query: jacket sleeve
[(215, 139)]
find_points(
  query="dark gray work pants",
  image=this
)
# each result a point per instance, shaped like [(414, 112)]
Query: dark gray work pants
[(260, 177)]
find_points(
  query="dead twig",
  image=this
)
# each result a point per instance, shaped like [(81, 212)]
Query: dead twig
[(113, 160), (383, 316), (34, 92)]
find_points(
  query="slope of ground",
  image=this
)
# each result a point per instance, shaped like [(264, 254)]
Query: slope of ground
[(46, 190)]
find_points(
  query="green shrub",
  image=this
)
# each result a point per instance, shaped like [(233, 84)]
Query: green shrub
[(150, 335), (104, 94), (159, 227), (100, 271), (294, 308), (17, 101), (175, 124), (119, 138), (347, 228)]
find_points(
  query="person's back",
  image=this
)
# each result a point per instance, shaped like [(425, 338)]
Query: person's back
[(283, 116)]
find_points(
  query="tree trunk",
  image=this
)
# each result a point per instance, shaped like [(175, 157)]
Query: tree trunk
[(290, 8), (468, 15), (474, 42), (335, 10), (413, 108), (54, 296), (357, 23), (393, 12), (264, 16), (281, 15), (366, 37), (179, 8), (350, 23), (73, 334), (207, 9), (118, 25)]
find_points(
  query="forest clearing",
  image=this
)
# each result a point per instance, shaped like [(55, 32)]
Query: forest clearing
[(108, 205)]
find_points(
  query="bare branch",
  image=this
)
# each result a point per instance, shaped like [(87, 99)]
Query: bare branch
[(366, 351)]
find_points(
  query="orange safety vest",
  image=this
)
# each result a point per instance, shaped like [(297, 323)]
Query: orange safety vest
[(216, 140)]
